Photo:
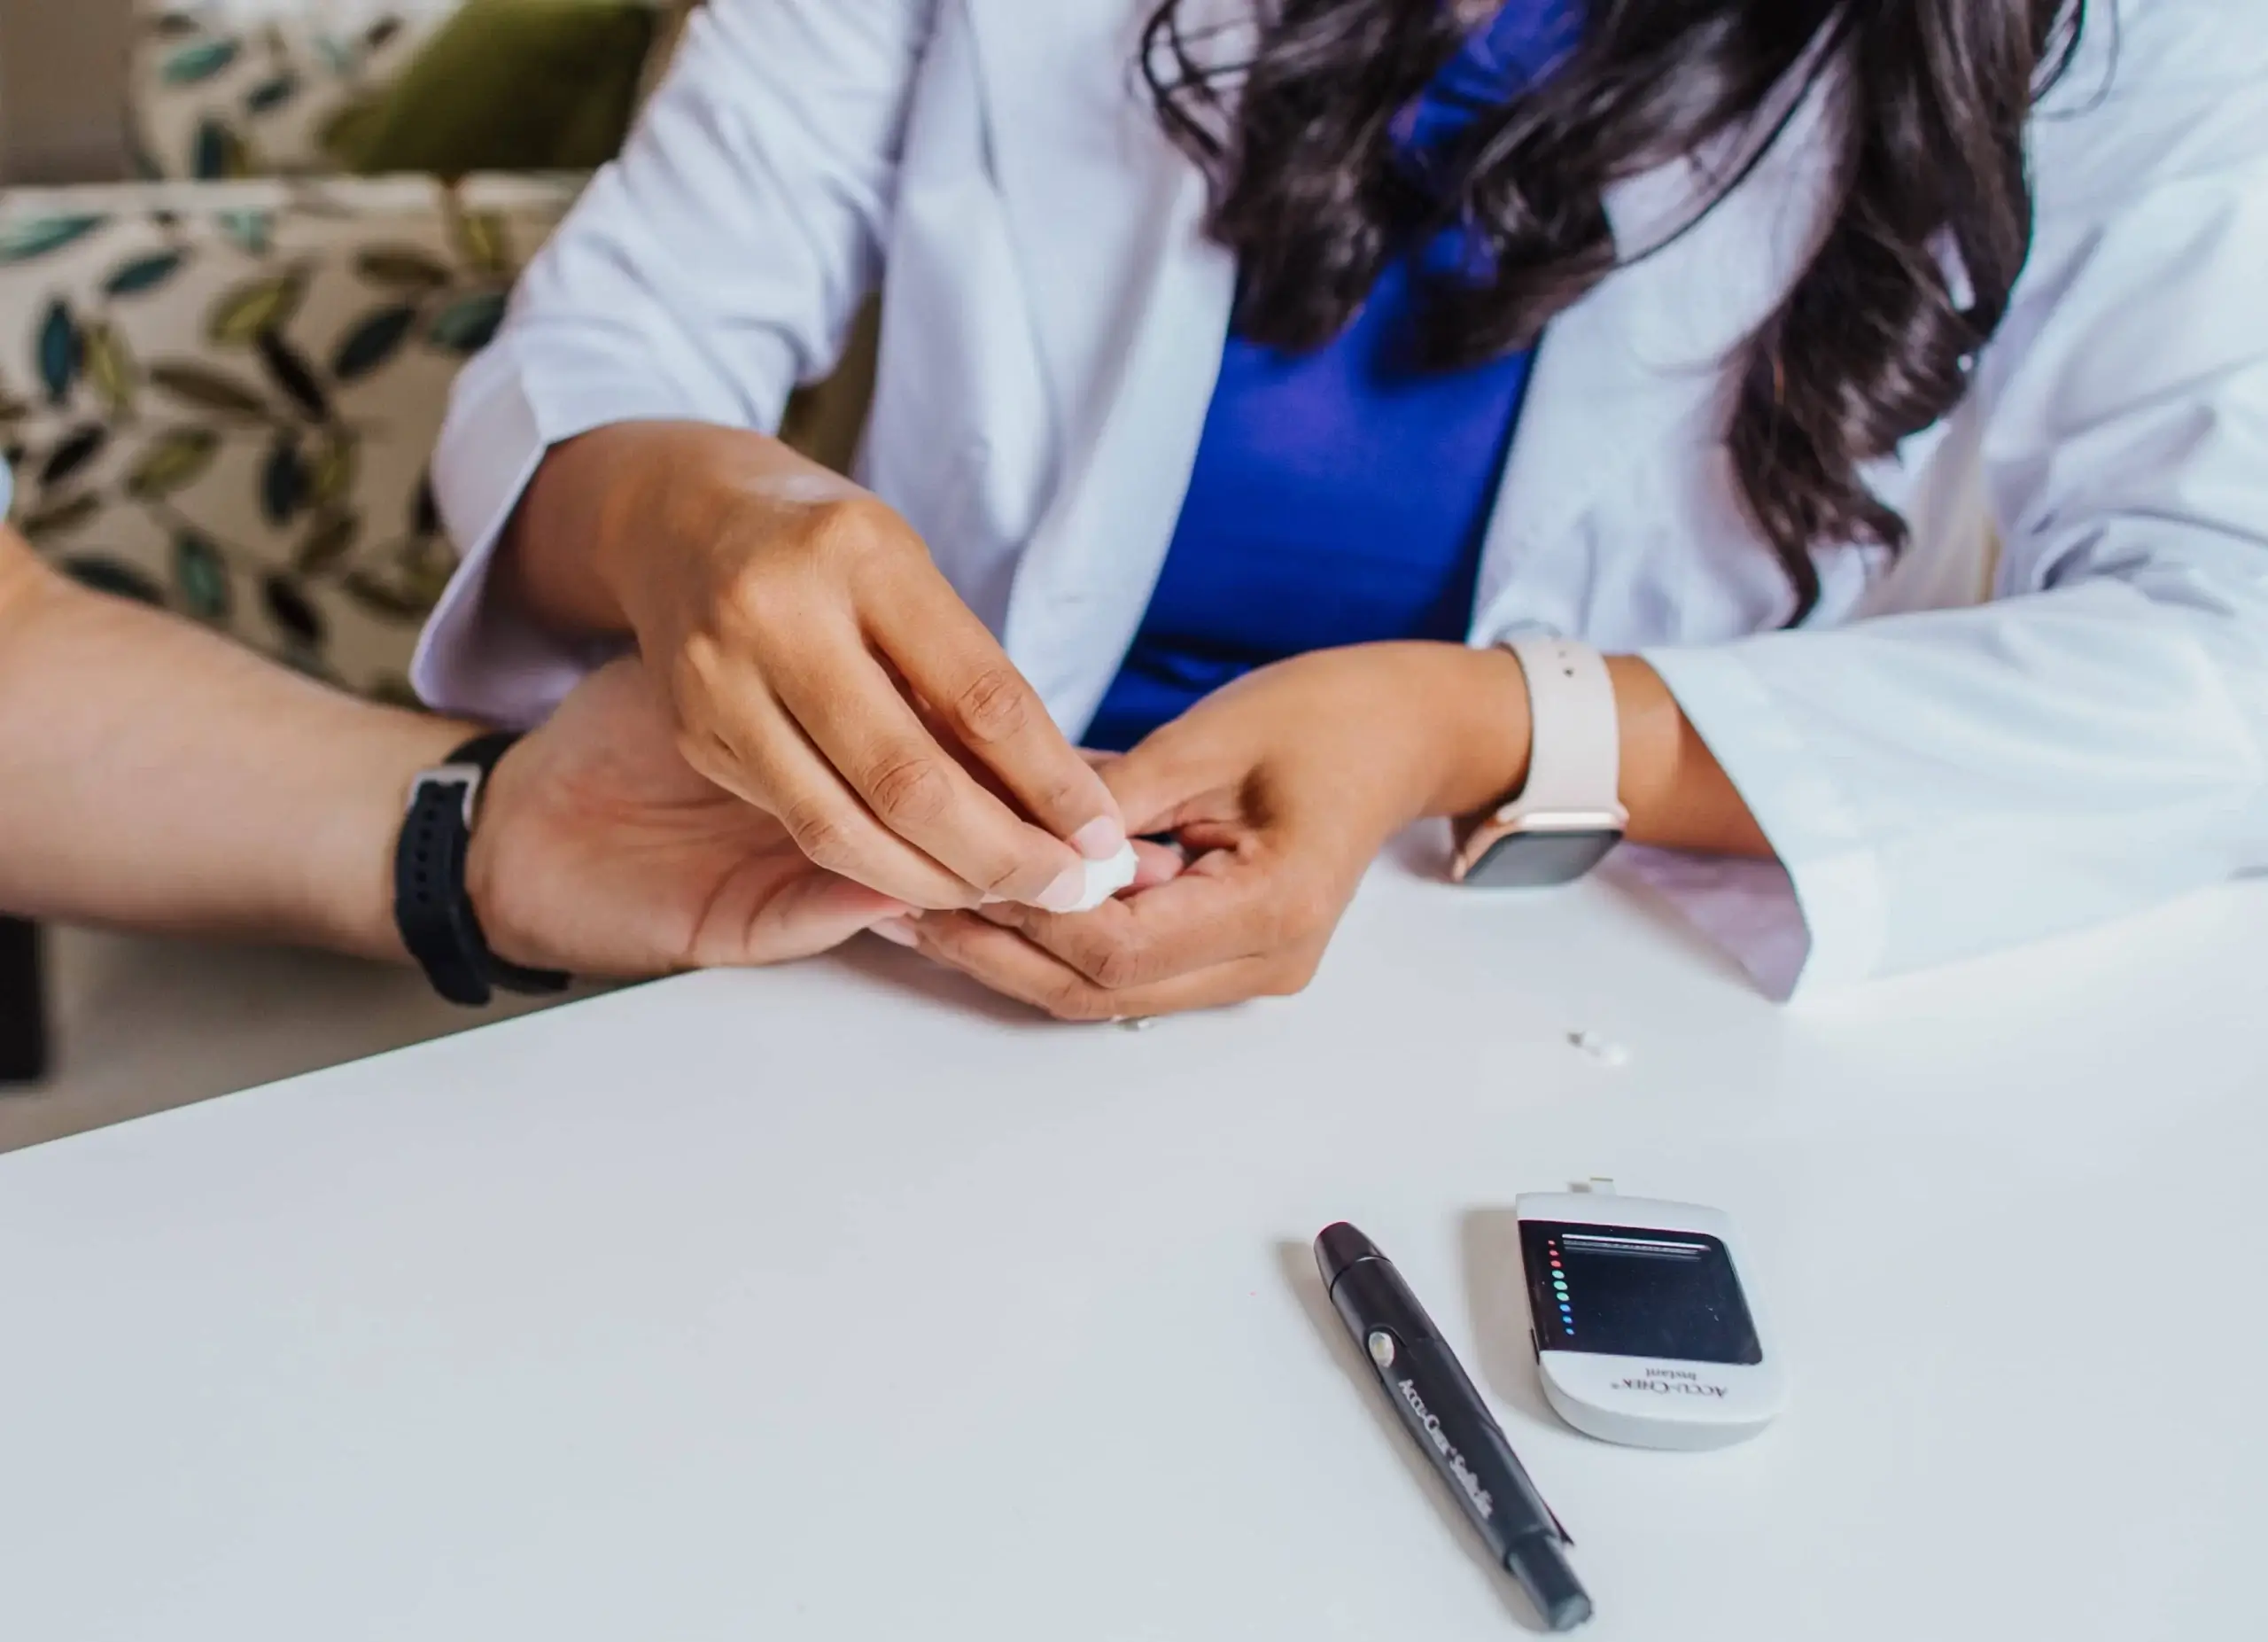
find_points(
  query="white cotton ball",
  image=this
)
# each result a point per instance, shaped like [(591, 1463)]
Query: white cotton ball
[(1104, 879)]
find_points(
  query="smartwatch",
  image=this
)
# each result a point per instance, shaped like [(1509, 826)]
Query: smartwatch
[(430, 907), (1568, 815)]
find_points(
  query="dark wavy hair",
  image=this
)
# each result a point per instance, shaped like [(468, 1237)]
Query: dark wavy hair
[(1874, 342)]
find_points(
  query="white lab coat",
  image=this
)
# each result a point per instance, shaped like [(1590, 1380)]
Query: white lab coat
[(1937, 776)]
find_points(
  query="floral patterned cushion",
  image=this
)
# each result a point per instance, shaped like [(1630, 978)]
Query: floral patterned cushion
[(228, 89), (222, 397)]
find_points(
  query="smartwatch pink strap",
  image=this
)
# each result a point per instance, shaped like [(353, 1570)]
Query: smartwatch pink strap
[(1574, 764)]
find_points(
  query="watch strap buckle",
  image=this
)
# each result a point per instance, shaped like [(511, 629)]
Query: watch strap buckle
[(468, 777), (431, 908)]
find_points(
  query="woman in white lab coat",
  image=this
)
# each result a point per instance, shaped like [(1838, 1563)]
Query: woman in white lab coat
[(1315, 351)]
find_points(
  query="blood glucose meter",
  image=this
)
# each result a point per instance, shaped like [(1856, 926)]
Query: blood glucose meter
[(1643, 1331)]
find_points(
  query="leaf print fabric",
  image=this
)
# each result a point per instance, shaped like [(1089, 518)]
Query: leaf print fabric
[(219, 94), (223, 399), (221, 395)]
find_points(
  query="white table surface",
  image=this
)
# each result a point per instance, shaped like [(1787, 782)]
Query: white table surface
[(828, 1303)]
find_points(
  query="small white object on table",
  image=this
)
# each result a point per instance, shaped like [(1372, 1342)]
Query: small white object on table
[(839, 1301)]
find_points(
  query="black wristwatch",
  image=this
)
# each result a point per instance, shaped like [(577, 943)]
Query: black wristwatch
[(430, 907)]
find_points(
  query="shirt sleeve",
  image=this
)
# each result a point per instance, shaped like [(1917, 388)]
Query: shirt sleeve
[(2094, 739), (719, 263)]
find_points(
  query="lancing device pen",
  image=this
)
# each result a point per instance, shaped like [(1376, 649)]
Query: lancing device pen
[(1451, 1425)]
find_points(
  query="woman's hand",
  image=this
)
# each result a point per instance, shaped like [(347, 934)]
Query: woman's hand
[(1283, 787), (599, 851), (815, 663)]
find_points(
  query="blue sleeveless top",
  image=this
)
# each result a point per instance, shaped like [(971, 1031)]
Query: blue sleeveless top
[(1340, 496)]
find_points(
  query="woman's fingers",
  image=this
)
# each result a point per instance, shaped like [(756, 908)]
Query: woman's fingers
[(947, 655), (1183, 765), (1225, 906), (838, 681), (1013, 967), (1253, 899), (854, 715), (763, 758)]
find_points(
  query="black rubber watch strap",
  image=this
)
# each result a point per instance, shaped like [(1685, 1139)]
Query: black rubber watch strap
[(431, 910)]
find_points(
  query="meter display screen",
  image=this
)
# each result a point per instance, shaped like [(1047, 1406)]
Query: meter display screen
[(1624, 1291)]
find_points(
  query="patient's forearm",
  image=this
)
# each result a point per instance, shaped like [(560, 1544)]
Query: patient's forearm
[(155, 777)]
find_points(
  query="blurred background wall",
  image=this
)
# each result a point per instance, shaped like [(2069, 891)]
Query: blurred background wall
[(61, 87)]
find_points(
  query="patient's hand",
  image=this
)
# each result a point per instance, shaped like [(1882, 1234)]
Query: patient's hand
[(600, 851)]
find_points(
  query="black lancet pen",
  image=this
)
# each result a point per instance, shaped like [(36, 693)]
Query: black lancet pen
[(1442, 1411)]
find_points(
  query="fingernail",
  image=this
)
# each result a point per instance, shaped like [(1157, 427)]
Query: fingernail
[(897, 931), (1064, 894), (1099, 839)]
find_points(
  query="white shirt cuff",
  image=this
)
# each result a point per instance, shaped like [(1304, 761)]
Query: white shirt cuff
[(480, 656), (1811, 922)]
